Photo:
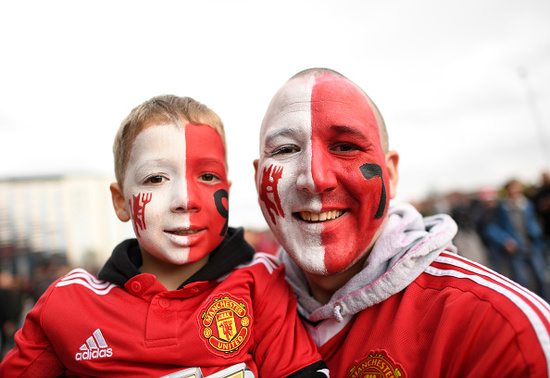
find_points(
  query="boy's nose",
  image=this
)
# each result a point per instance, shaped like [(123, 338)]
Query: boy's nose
[(185, 198)]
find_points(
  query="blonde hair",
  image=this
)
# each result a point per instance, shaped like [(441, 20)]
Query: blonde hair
[(164, 109), (383, 131)]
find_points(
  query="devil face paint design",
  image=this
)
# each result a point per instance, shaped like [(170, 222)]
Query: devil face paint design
[(321, 175), (177, 190), (269, 194), (137, 207)]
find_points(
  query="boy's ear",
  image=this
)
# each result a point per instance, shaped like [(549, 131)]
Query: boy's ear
[(119, 203)]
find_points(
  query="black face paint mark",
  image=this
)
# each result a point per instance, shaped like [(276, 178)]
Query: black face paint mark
[(370, 170), (218, 197)]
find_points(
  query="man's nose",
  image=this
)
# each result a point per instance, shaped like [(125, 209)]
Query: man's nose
[(316, 175)]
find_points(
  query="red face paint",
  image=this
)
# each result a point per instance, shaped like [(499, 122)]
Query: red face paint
[(207, 187), (345, 138), (269, 193)]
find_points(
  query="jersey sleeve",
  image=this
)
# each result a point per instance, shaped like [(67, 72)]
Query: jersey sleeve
[(284, 347), (33, 354)]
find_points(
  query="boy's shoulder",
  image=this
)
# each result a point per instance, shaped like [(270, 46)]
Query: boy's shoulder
[(82, 279), (261, 262)]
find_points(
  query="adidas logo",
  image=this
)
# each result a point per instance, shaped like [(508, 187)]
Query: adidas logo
[(94, 347)]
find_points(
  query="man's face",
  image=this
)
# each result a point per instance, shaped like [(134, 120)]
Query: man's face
[(322, 176), (176, 191)]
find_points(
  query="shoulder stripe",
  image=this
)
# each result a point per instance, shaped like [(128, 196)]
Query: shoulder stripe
[(534, 308), (270, 262), (82, 277)]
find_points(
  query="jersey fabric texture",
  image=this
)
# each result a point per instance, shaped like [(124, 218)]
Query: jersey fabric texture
[(237, 309), (417, 309)]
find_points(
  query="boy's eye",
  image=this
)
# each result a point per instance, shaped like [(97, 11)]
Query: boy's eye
[(285, 150), (154, 180)]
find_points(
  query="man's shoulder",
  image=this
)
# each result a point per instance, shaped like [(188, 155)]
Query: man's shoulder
[(451, 276)]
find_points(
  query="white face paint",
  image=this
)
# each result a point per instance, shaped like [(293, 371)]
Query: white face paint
[(171, 177), (287, 126)]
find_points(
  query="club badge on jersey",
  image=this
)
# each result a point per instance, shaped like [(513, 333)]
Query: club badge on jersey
[(376, 364), (224, 325)]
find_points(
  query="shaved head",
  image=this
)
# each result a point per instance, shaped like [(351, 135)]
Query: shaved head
[(316, 72)]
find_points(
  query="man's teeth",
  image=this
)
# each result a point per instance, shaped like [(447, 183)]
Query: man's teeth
[(320, 217)]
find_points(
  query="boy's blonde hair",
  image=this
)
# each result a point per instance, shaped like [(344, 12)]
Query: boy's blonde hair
[(165, 109)]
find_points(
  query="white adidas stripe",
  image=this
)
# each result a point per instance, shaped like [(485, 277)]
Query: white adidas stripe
[(269, 261), (518, 295), (81, 277), (99, 338)]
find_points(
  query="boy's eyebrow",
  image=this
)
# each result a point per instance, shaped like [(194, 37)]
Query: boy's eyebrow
[(204, 160), (155, 162)]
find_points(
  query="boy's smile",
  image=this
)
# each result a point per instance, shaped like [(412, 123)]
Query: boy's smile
[(172, 185)]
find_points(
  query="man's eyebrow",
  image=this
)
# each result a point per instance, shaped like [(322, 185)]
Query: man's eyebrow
[(348, 130), (280, 132)]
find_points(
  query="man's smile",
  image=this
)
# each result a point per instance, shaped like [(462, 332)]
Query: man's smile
[(320, 217)]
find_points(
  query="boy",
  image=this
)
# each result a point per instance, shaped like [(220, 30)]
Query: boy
[(187, 297)]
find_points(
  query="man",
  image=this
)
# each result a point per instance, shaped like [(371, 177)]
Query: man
[(380, 288)]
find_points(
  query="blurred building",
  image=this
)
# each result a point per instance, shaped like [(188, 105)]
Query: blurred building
[(70, 216)]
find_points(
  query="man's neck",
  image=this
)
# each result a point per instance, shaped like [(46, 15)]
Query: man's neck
[(323, 287)]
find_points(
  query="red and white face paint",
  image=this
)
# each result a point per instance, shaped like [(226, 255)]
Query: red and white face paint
[(322, 176), (176, 190)]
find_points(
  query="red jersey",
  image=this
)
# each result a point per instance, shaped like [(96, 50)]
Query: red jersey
[(418, 310), (83, 326), (457, 319)]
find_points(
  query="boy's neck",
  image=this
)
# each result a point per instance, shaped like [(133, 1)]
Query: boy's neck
[(171, 276)]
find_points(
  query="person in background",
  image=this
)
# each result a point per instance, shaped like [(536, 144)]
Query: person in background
[(542, 205), (518, 234), (380, 288)]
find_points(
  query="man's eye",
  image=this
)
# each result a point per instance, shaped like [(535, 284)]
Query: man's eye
[(345, 147), (208, 177), (285, 150)]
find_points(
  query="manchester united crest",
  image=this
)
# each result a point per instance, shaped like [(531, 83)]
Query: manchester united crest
[(224, 323), (376, 365)]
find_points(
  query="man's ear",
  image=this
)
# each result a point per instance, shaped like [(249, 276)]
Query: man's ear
[(119, 203), (392, 163)]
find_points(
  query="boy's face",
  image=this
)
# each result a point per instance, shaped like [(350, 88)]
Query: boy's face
[(322, 175), (176, 191)]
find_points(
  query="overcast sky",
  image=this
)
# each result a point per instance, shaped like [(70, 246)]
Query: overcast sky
[(464, 86)]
